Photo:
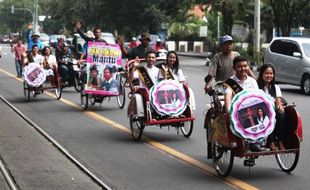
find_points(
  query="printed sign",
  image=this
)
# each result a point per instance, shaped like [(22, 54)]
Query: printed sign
[(100, 52), (168, 97), (252, 115), (34, 75), (103, 62)]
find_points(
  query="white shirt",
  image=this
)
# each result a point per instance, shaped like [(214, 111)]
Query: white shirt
[(51, 60), (37, 59), (178, 76), (278, 91), (152, 72), (249, 83)]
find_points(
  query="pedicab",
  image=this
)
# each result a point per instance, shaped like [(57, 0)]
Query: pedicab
[(34, 81), (166, 104), (103, 75), (228, 135)]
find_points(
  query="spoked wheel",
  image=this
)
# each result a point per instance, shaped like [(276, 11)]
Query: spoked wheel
[(136, 127), (26, 91), (187, 128), (77, 82), (222, 159), (122, 96), (84, 98), (58, 89), (288, 161)]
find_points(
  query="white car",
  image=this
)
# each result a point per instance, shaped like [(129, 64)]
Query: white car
[(291, 58)]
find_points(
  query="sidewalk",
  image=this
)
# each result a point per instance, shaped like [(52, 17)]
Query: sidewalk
[(193, 54), (34, 162)]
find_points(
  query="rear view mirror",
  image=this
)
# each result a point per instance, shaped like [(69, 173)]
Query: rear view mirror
[(297, 54)]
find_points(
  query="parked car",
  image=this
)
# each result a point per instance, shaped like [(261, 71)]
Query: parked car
[(291, 58), (54, 39)]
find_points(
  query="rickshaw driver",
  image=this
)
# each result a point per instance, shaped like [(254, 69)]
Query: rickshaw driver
[(239, 81), (138, 51)]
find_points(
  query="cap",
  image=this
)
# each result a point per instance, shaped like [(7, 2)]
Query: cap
[(158, 40), (145, 36), (225, 38), (36, 34)]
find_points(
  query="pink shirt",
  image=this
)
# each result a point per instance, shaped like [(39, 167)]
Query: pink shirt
[(18, 51)]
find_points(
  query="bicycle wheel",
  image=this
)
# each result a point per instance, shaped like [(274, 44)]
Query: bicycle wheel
[(136, 127), (26, 91), (77, 82), (122, 96), (187, 128), (58, 90), (288, 161), (84, 98), (222, 159)]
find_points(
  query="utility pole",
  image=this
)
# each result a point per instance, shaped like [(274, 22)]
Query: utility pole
[(257, 25), (257, 30), (36, 26)]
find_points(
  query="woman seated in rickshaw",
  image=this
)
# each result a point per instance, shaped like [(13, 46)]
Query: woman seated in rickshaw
[(171, 69), (49, 64), (266, 82)]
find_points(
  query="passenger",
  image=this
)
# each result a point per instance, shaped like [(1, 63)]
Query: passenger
[(146, 76), (49, 64), (266, 82), (34, 56), (239, 81), (171, 70)]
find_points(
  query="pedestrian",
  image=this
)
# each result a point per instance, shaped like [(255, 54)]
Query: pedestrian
[(19, 48), (138, 51), (33, 39), (221, 67)]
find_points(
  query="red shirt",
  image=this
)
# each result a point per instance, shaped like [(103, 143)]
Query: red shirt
[(19, 49)]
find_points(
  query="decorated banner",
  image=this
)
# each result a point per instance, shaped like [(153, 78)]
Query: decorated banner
[(34, 75), (252, 115), (103, 62), (100, 52), (168, 97)]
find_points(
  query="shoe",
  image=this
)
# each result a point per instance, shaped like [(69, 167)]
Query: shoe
[(281, 145), (256, 148), (272, 146)]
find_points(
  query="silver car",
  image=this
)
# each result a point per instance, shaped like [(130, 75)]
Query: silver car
[(291, 58)]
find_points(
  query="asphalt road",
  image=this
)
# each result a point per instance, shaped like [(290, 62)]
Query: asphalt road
[(163, 159)]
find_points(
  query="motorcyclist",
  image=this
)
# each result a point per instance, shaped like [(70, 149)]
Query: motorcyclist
[(64, 66), (159, 45)]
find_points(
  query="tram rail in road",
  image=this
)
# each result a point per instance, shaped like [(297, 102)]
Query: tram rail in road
[(64, 151)]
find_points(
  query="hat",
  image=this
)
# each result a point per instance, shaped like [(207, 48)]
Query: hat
[(145, 36), (36, 34), (158, 40), (225, 38), (133, 38)]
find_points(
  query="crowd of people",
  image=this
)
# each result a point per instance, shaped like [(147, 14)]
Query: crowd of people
[(227, 65)]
